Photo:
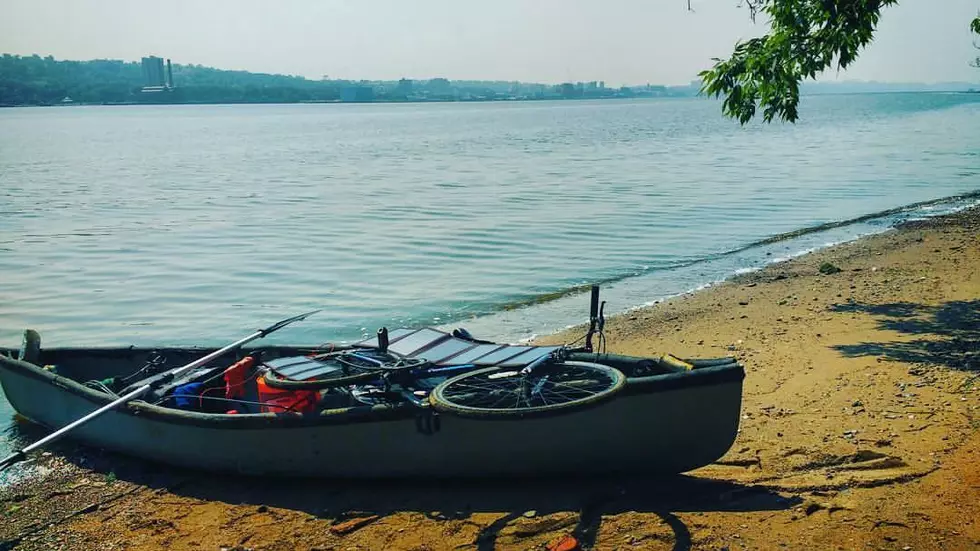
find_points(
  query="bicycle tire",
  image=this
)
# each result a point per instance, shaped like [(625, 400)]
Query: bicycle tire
[(461, 395)]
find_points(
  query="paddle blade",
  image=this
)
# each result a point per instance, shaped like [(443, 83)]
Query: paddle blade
[(11, 459), (279, 325)]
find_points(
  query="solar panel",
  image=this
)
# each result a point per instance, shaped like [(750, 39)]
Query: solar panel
[(500, 355), (417, 341), (443, 349), (446, 349), (393, 335), (299, 368), (472, 354), (528, 357)]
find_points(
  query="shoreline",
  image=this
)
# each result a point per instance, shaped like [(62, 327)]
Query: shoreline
[(338, 101), (483, 100), (566, 303), (859, 429), (747, 273)]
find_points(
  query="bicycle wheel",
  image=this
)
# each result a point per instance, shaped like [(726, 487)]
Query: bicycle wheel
[(350, 367), (495, 393)]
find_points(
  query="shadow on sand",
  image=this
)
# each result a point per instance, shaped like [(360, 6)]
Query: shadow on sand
[(948, 334), (589, 498)]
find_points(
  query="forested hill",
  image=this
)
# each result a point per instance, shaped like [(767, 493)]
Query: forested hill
[(35, 80)]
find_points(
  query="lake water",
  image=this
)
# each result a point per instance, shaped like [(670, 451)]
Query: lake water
[(156, 225)]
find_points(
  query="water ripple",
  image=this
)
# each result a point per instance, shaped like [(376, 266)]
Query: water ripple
[(219, 219)]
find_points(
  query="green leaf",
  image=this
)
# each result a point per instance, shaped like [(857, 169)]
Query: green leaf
[(805, 38)]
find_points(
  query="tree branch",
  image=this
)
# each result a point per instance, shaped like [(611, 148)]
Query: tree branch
[(806, 38), (975, 27)]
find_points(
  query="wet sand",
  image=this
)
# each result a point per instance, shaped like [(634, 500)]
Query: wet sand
[(858, 431)]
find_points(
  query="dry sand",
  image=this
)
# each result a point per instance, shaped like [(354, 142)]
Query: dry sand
[(859, 431)]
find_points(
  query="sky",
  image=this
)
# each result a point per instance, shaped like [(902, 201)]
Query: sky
[(621, 42)]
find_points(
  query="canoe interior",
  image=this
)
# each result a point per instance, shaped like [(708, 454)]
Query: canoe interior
[(83, 364), (88, 365)]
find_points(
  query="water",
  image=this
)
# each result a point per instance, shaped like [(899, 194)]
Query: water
[(168, 225)]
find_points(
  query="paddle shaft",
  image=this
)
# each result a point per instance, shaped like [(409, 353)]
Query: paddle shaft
[(20, 455)]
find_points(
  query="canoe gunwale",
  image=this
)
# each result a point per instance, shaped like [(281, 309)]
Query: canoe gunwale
[(702, 376)]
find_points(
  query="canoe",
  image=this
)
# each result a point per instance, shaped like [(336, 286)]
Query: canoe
[(670, 416)]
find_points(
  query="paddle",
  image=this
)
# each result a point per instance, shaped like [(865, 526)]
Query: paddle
[(20, 455)]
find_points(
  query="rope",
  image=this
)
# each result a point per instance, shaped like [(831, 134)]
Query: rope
[(100, 386), (157, 360)]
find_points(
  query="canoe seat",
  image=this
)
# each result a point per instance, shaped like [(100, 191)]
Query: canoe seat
[(30, 348)]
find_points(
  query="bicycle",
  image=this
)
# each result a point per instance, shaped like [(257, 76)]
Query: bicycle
[(550, 383), (545, 383)]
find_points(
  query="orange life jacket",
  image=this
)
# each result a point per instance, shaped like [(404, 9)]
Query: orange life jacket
[(235, 378)]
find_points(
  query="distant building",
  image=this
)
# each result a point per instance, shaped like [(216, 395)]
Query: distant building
[(357, 94), (439, 86), (153, 72), (155, 79), (404, 87)]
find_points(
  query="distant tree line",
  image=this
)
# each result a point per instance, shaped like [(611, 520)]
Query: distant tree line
[(35, 80)]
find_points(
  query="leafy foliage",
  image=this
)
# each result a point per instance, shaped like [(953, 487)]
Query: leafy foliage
[(806, 37), (975, 27)]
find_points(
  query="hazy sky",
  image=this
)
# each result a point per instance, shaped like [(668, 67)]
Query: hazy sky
[(619, 41)]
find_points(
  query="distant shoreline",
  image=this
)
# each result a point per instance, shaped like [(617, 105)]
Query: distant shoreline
[(31, 81), (474, 100), (337, 102)]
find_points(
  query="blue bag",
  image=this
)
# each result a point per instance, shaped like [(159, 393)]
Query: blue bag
[(187, 396)]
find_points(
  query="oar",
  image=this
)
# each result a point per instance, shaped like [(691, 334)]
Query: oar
[(20, 455)]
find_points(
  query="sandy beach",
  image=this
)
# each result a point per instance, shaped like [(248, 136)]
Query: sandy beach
[(858, 431)]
